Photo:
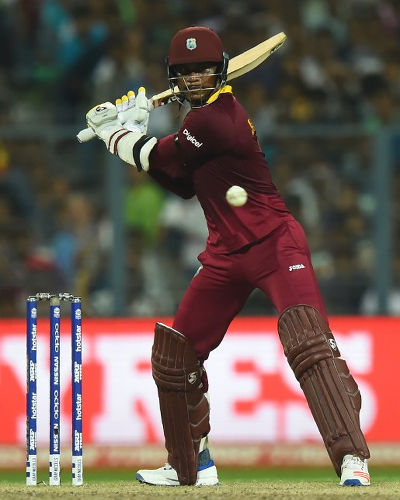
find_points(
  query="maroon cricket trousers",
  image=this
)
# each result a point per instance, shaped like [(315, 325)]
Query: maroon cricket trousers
[(279, 265)]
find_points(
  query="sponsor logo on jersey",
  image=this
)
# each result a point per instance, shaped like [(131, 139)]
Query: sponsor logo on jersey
[(192, 138), (295, 267)]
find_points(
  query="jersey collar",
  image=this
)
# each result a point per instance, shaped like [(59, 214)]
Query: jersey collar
[(227, 89)]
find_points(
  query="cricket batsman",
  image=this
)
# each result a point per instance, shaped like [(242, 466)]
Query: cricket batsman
[(253, 242)]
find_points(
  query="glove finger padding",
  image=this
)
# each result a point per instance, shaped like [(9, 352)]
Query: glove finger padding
[(142, 101), (133, 112)]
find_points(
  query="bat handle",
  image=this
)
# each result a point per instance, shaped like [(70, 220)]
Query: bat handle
[(85, 135)]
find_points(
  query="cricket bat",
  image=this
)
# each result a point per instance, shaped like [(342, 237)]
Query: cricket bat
[(237, 66)]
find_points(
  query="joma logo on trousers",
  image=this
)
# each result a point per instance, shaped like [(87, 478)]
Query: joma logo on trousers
[(192, 138), (296, 266)]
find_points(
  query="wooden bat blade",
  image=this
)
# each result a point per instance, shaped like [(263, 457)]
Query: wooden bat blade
[(250, 59), (237, 66), (163, 97)]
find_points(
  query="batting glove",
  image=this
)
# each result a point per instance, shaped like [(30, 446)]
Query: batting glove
[(133, 112), (103, 119), (134, 146)]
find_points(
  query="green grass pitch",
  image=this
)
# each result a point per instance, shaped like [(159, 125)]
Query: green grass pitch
[(281, 483)]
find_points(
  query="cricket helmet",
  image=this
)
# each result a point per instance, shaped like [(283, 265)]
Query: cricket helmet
[(197, 44)]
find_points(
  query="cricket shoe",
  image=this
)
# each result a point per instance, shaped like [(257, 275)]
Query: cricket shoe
[(166, 476), (354, 471)]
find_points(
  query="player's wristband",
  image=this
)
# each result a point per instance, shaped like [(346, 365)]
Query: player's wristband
[(137, 148)]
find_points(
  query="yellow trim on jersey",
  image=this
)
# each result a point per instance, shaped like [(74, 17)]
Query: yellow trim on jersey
[(227, 89), (252, 127)]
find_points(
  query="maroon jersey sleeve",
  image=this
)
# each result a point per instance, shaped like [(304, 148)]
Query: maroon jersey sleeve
[(168, 169)]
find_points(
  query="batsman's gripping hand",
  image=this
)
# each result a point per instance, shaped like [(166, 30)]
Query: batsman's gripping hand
[(103, 119), (132, 146), (133, 112)]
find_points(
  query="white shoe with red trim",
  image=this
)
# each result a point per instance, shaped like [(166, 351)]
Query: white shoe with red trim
[(354, 471)]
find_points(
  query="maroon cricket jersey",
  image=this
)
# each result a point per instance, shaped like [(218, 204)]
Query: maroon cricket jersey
[(216, 148)]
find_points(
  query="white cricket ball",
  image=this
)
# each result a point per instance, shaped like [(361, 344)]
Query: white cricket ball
[(236, 196)]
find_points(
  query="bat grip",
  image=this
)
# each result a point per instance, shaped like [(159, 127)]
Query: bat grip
[(85, 135)]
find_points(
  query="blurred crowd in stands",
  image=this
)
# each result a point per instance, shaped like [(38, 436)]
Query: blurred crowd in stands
[(318, 104)]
